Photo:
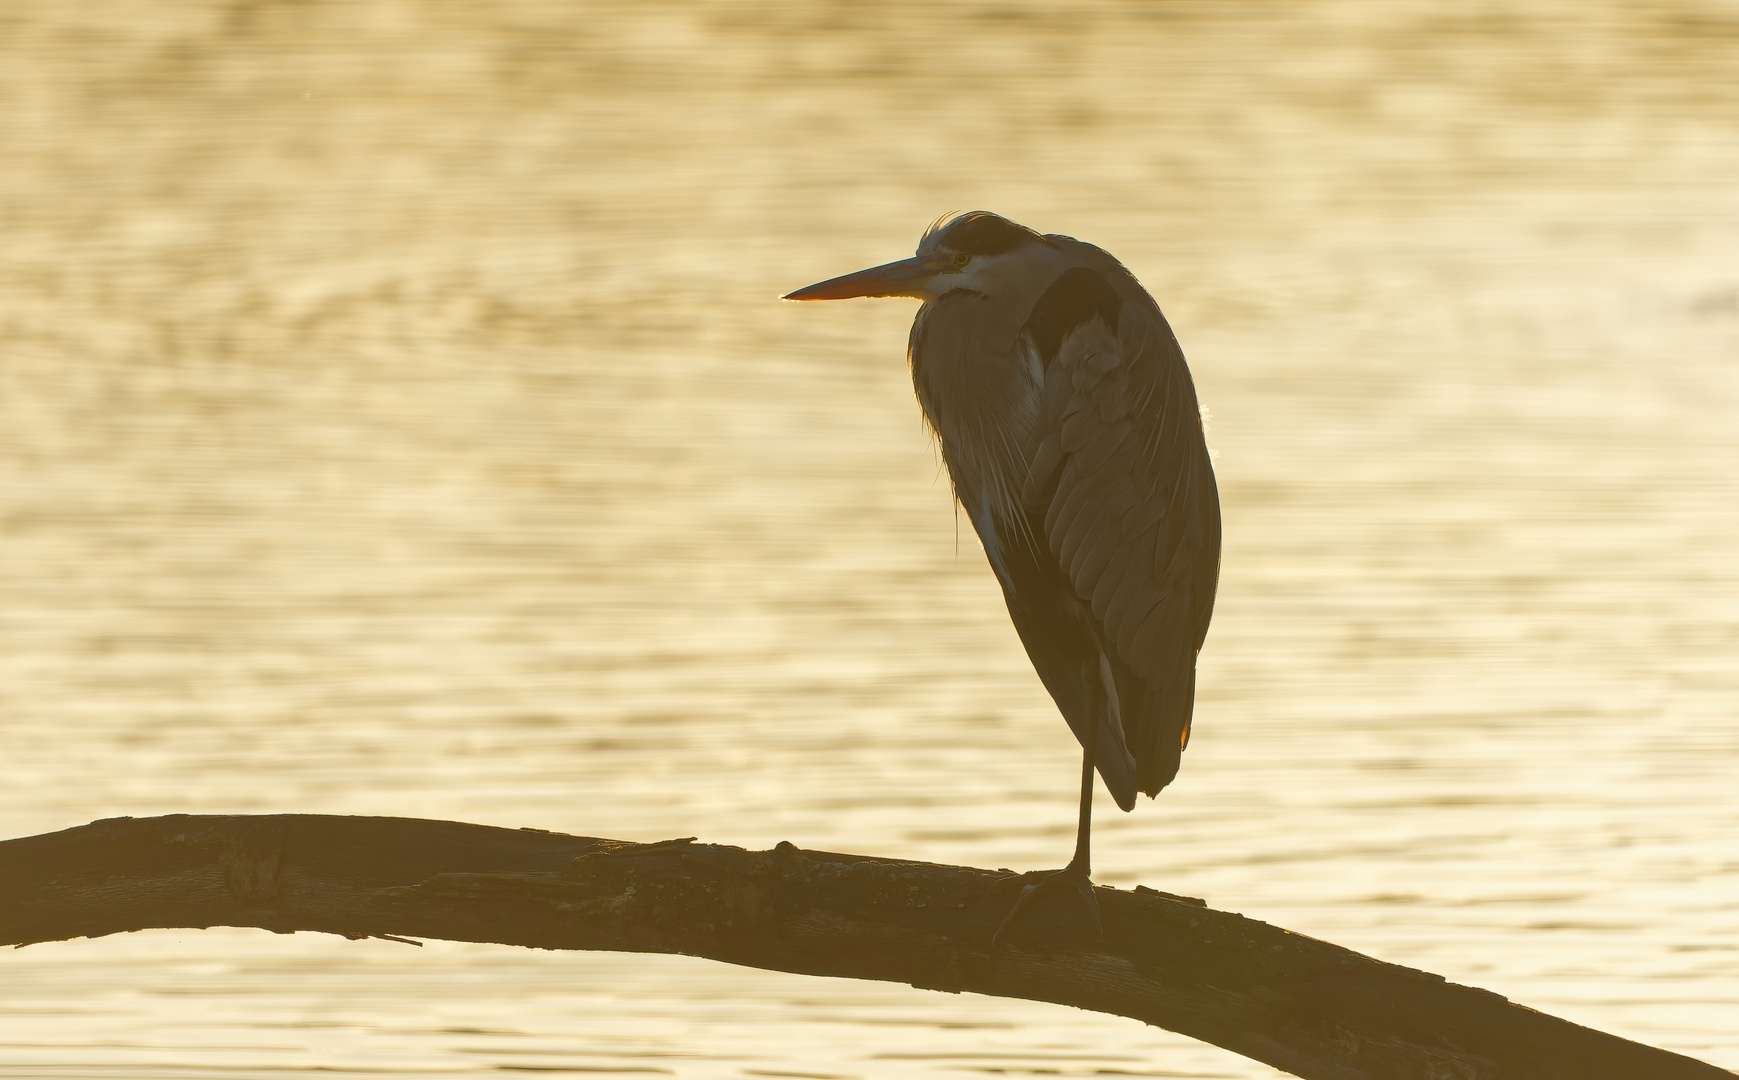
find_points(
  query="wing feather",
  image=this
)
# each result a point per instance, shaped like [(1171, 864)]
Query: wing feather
[(1093, 454), (1133, 514), (1080, 423), (1113, 587), (1093, 559), (1094, 519), (1041, 481), (1129, 601), (1066, 506)]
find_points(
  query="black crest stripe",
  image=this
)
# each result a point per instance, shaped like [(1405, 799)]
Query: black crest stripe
[(984, 233)]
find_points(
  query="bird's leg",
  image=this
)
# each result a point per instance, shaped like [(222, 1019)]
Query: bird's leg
[(1079, 871)]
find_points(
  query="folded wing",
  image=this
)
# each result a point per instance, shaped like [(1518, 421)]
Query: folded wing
[(1122, 493)]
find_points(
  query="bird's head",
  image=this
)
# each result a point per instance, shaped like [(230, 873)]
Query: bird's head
[(974, 251)]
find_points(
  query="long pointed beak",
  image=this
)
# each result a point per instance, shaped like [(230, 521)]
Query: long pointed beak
[(904, 278)]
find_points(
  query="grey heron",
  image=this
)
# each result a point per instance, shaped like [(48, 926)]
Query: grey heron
[(1071, 431)]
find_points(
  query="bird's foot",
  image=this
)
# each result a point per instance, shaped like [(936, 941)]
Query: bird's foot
[(1072, 875)]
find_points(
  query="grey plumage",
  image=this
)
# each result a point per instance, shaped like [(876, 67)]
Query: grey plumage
[(1070, 429)]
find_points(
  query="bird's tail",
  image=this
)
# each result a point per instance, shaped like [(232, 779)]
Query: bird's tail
[(1163, 729), (1111, 754)]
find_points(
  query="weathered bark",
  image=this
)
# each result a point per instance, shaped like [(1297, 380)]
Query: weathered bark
[(1311, 1008)]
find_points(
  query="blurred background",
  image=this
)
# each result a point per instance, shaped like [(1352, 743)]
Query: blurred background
[(397, 416)]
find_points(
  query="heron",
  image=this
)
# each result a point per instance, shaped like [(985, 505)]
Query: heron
[(1073, 438)]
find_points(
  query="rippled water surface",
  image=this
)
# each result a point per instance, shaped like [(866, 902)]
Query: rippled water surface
[(397, 416)]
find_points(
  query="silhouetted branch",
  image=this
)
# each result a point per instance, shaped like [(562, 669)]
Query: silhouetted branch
[(1314, 1009)]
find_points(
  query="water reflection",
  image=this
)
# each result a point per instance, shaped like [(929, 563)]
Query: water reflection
[(399, 421)]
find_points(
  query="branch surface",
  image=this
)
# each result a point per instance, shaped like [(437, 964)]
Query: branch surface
[(1305, 1006)]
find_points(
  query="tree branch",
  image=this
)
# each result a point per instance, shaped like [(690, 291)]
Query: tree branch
[(1311, 1008)]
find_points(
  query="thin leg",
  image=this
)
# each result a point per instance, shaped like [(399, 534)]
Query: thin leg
[(1079, 871), (1083, 860)]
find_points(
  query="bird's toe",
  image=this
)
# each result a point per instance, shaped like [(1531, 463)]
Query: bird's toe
[(1074, 877)]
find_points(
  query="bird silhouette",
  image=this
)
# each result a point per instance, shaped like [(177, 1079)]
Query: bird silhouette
[(1071, 431)]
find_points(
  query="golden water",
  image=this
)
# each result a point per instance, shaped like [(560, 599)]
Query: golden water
[(396, 416)]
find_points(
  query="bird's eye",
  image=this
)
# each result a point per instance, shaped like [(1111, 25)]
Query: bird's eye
[(961, 258)]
